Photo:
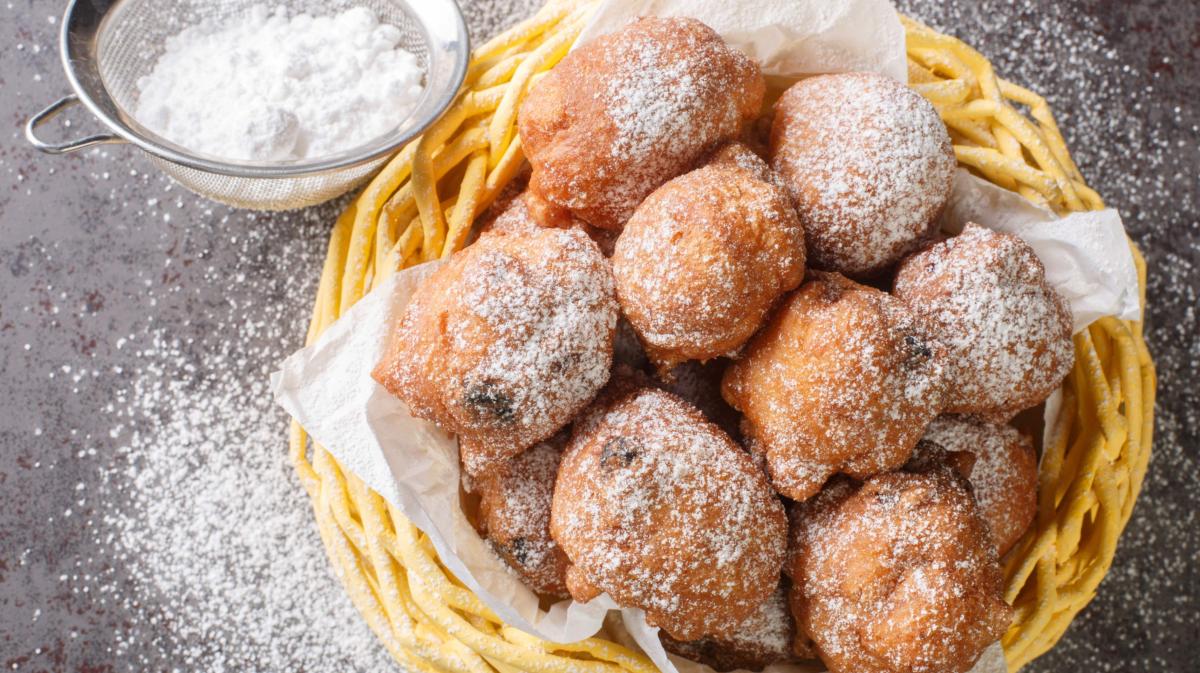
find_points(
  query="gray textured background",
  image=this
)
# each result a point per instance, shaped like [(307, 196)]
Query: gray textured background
[(148, 519)]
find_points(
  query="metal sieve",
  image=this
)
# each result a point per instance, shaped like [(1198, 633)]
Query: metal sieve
[(107, 45)]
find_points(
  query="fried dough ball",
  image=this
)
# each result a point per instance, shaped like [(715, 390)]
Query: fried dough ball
[(869, 164), (1007, 332), (705, 257), (844, 378), (660, 509), (525, 212), (737, 154), (504, 201), (514, 514), (897, 575), (506, 342), (630, 110), (765, 637), (1005, 474)]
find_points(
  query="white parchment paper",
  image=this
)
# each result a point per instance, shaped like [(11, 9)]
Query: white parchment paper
[(788, 39), (327, 386)]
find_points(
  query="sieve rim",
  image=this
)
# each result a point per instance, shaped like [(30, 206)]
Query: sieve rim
[(84, 20)]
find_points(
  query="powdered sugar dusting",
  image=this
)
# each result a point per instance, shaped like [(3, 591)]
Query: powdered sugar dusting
[(654, 99), (207, 526), (703, 259), (515, 510), (896, 575), (661, 104), (843, 379), (562, 311), (508, 341), (664, 512), (869, 163), (1008, 334), (765, 637), (632, 109), (1004, 477)]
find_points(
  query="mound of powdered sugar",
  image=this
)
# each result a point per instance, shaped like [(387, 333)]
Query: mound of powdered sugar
[(263, 86)]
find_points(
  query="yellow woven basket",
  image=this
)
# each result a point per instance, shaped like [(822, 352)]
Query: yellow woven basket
[(422, 206)]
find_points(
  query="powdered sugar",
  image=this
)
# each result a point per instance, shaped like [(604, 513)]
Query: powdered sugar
[(660, 103), (1004, 476), (540, 315), (625, 113), (515, 510), (896, 575), (1007, 333), (653, 99), (843, 379), (201, 513), (763, 638), (507, 342), (769, 629), (263, 86), (704, 257), (664, 512), (869, 163)]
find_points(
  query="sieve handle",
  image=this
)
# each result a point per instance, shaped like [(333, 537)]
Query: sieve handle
[(68, 146)]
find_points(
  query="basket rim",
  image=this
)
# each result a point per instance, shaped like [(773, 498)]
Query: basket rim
[(1051, 574)]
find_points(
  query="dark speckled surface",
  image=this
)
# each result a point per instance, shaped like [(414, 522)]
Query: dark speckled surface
[(133, 314)]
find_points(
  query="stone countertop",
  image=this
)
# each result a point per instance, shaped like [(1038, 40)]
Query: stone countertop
[(148, 517)]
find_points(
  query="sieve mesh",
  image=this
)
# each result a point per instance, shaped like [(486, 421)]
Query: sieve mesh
[(269, 193), (131, 38)]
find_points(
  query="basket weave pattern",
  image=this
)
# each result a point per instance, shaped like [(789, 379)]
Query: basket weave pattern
[(421, 207)]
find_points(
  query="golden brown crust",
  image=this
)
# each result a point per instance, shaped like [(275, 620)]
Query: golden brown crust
[(844, 378), (505, 200), (1007, 332), (897, 575), (661, 510), (514, 513), (506, 342), (766, 637), (1004, 477), (526, 211), (630, 110), (704, 258), (869, 164), (738, 154)]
